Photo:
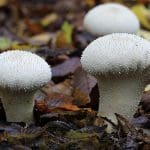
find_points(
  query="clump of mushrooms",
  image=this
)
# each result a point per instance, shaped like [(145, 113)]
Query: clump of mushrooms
[(119, 62), (110, 18), (21, 74)]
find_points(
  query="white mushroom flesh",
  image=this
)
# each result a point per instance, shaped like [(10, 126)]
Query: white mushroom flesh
[(118, 61), (21, 74), (111, 18)]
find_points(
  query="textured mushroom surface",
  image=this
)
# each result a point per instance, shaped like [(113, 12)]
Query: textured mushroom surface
[(110, 18), (23, 70), (118, 52)]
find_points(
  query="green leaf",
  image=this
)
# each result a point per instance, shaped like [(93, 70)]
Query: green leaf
[(67, 29), (5, 43)]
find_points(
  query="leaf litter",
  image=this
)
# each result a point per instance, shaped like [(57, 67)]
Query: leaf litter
[(66, 108)]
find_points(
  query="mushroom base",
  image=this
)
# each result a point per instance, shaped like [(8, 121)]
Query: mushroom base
[(119, 95), (18, 105)]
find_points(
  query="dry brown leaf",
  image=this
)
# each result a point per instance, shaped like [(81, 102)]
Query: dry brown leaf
[(144, 1), (64, 87), (55, 102), (67, 67), (33, 27), (126, 127), (81, 99), (83, 84), (69, 107), (83, 81), (61, 40), (145, 101), (129, 129)]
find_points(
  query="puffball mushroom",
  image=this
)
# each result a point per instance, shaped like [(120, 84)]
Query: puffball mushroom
[(119, 62), (110, 18), (21, 74)]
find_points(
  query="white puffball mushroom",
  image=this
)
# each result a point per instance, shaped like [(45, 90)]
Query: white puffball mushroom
[(21, 74), (110, 18), (119, 62)]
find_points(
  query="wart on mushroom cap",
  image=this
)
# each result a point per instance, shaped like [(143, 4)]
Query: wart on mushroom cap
[(118, 61), (110, 18), (21, 74)]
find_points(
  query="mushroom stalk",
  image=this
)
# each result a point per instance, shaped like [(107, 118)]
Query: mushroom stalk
[(119, 94), (18, 105)]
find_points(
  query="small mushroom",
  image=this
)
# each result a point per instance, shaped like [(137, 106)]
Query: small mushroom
[(110, 18), (119, 62), (21, 74)]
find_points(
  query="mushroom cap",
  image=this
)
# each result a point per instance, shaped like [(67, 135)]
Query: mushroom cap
[(110, 18), (116, 53), (23, 70)]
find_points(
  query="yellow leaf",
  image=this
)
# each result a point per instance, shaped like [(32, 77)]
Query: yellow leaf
[(18, 46), (143, 15), (48, 19), (90, 3), (145, 34), (147, 88), (3, 3), (67, 29), (61, 40), (42, 38)]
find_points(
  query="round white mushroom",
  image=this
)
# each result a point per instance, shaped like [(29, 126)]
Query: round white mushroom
[(118, 61), (110, 18), (21, 74)]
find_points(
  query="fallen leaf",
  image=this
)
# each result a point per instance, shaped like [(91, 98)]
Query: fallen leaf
[(40, 39), (64, 87), (147, 88), (67, 29), (125, 126), (53, 57), (89, 3), (61, 40), (81, 39), (48, 19), (3, 3), (33, 27), (64, 36), (83, 84), (144, 1), (7, 33), (55, 102), (143, 15), (81, 99), (67, 67), (146, 147), (64, 6), (145, 102), (78, 140), (5, 43), (127, 129), (83, 80), (141, 122), (143, 33), (20, 147), (19, 46)]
